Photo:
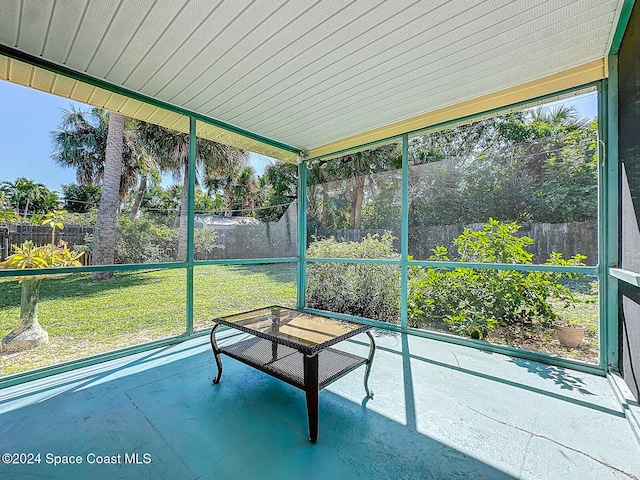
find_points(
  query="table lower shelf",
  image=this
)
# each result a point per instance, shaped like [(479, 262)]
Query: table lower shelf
[(286, 363)]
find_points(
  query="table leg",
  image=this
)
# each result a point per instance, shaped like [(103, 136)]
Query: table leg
[(216, 353), (275, 329), (311, 389), (372, 350)]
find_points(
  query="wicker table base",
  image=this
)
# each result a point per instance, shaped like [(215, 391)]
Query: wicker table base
[(310, 371)]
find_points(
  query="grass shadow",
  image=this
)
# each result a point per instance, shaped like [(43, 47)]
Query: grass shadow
[(278, 272), (74, 285)]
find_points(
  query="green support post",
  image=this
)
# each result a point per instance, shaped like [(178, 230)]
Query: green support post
[(609, 223), (404, 233), (190, 221), (302, 233)]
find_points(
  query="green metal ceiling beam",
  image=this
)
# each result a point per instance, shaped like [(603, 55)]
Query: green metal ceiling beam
[(623, 21), (88, 79)]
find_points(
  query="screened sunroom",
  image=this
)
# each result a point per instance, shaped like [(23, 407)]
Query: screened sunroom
[(458, 178)]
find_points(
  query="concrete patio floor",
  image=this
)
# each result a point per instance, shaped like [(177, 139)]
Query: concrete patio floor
[(440, 411)]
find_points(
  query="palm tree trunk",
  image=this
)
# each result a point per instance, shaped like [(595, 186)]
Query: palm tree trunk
[(228, 198), (184, 217), (105, 230), (26, 209), (325, 206), (28, 334), (356, 202), (136, 204)]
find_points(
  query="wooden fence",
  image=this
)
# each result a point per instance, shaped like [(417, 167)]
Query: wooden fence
[(278, 239), (566, 238), (12, 234)]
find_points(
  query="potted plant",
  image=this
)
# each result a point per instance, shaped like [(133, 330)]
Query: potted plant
[(29, 334), (569, 332)]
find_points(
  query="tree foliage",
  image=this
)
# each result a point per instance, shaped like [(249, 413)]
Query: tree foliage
[(279, 184), (81, 143), (537, 165), (28, 197), (81, 198), (473, 301), (341, 190)]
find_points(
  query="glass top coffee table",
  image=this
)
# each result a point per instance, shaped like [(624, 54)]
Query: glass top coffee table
[(294, 347)]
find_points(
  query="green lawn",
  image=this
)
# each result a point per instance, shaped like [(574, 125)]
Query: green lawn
[(85, 318)]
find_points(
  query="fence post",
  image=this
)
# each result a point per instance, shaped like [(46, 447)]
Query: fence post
[(4, 243)]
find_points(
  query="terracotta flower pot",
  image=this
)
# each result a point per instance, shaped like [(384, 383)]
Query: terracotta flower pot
[(569, 335)]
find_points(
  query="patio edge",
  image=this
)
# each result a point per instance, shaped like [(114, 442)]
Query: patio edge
[(630, 406)]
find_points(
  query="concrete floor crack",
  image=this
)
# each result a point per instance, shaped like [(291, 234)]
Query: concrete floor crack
[(533, 434), (156, 430)]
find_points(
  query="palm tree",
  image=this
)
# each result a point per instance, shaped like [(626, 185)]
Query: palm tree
[(171, 151), (149, 173), (102, 147), (356, 170), (237, 182), (81, 143), (560, 115), (547, 130), (246, 190), (29, 197), (104, 236), (279, 184)]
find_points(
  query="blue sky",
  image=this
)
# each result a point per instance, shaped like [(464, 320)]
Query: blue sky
[(29, 117)]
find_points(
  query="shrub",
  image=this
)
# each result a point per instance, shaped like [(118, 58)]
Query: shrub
[(470, 301), (363, 290), (144, 241)]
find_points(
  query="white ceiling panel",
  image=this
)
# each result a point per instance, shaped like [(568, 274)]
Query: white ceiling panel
[(407, 89), (10, 13), (35, 20), (147, 36), (451, 90), (281, 55), (365, 56), (343, 49), (65, 21), (210, 66), (304, 73), (420, 52), (182, 40), (129, 17), (94, 23)]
